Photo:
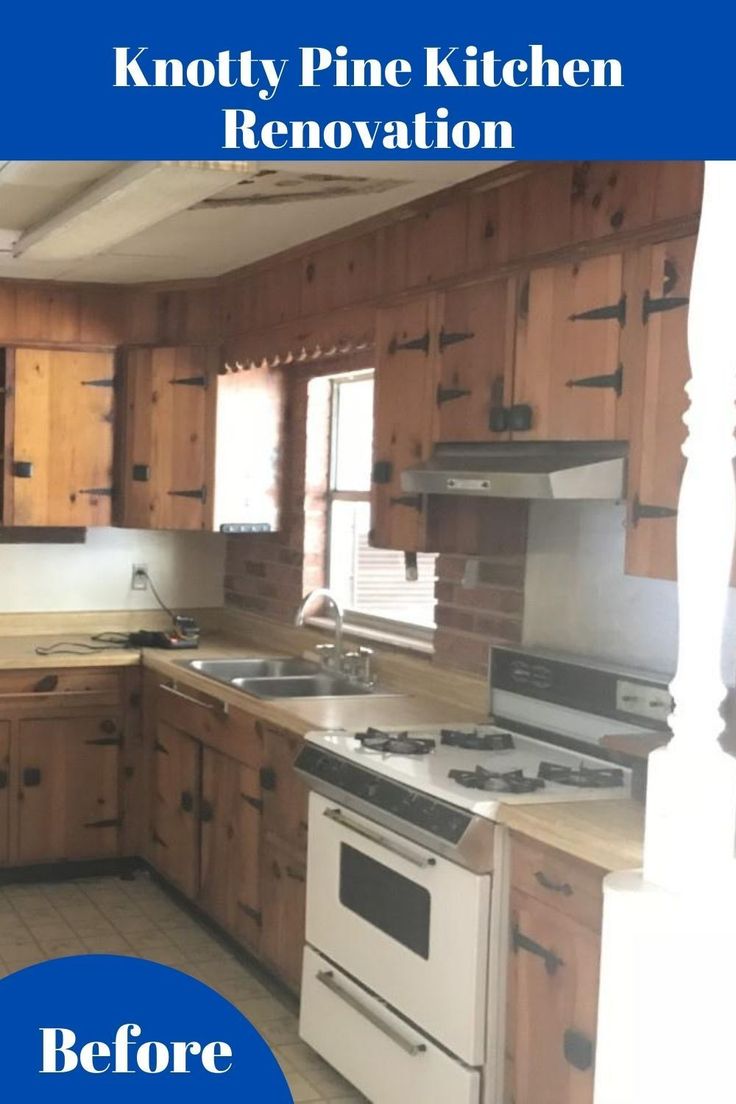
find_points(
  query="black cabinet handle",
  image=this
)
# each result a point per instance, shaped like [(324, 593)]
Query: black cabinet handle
[(578, 1049), (520, 417), (268, 778), (522, 942), (22, 469), (555, 887), (31, 776)]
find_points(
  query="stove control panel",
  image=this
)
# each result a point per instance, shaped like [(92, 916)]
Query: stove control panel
[(402, 802)]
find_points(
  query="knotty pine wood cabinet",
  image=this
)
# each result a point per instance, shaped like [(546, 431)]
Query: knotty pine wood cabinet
[(59, 411), (62, 787), (228, 821), (199, 449), (568, 374), (660, 289), (553, 974)]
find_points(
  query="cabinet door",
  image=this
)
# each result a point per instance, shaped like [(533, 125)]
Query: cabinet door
[(169, 436), (231, 830), (404, 410), (658, 432), (283, 901), (62, 438), (567, 370), (4, 791), (285, 797), (68, 788), (476, 347), (175, 814), (552, 1006)]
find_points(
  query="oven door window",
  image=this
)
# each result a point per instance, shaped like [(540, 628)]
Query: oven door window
[(390, 902)]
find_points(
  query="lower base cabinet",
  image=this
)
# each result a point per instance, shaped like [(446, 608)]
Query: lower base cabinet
[(228, 823), (4, 791), (552, 997), (284, 901)]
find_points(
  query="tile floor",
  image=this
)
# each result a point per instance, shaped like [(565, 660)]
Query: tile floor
[(136, 917)]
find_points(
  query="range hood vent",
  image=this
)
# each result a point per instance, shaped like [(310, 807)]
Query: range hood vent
[(593, 470)]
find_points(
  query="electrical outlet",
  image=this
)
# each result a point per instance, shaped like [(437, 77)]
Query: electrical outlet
[(139, 577)]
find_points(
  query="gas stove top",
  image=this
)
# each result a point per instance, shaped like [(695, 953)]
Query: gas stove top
[(473, 767)]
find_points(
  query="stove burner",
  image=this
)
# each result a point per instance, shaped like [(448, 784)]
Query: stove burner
[(477, 741), (584, 777), (394, 743), (514, 781)]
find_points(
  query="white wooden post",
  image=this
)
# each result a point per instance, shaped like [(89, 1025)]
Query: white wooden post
[(668, 971)]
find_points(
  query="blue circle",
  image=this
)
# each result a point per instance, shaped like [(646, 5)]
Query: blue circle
[(50, 1013)]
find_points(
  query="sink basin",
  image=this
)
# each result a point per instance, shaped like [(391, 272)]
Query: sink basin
[(281, 678), (323, 685), (228, 670)]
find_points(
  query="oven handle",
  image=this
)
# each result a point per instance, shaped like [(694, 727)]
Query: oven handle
[(327, 978), (375, 837)]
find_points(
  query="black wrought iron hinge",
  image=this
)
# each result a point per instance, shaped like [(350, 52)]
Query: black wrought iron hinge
[(615, 311), (449, 337), (522, 942), (112, 823), (157, 839), (641, 510), (254, 802), (666, 302), (414, 502), (382, 472), (199, 493), (105, 741), (109, 381), (420, 344), (614, 380), (254, 914), (101, 492), (191, 381), (449, 394)]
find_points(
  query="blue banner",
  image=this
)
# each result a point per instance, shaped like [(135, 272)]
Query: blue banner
[(382, 81)]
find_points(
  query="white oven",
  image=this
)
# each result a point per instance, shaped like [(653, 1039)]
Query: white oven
[(405, 923)]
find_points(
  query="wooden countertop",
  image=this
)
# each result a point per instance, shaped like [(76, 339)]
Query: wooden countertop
[(607, 834)]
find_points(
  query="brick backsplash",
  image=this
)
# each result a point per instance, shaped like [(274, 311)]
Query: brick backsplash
[(472, 618)]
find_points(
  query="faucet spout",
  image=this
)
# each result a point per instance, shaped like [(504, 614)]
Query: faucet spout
[(327, 596)]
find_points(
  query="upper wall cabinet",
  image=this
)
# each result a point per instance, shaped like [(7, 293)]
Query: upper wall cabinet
[(568, 375), (199, 450), (475, 346), (404, 414), (58, 437), (660, 285)]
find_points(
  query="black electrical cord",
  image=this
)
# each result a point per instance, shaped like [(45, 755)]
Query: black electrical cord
[(156, 595)]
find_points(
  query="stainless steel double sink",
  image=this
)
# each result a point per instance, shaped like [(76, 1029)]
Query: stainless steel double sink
[(281, 678)]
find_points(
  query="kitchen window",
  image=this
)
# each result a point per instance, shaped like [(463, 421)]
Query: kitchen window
[(369, 582)]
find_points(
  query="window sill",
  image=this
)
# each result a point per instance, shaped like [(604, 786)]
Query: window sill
[(406, 642)]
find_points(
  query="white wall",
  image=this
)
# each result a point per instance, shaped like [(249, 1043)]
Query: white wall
[(579, 600), (187, 568)]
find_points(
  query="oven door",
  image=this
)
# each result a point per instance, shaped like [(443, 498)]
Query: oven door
[(411, 926)]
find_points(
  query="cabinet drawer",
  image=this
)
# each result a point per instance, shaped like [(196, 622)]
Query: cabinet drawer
[(382, 1055), (85, 685), (208, 719), (559, 880)]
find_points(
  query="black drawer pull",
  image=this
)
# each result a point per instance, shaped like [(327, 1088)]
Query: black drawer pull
[(522, 942), (31, 776), (578, 1049), (46, 684), (556, 887)]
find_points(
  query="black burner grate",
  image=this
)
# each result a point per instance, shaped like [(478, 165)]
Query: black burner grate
[(593, 778), (514, 781), (477, 741), (394, 743)]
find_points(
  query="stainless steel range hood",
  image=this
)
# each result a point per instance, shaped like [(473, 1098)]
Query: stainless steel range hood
[(524, 469)]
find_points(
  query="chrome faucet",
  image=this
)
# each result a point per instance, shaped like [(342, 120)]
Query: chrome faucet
[(335, 650)]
